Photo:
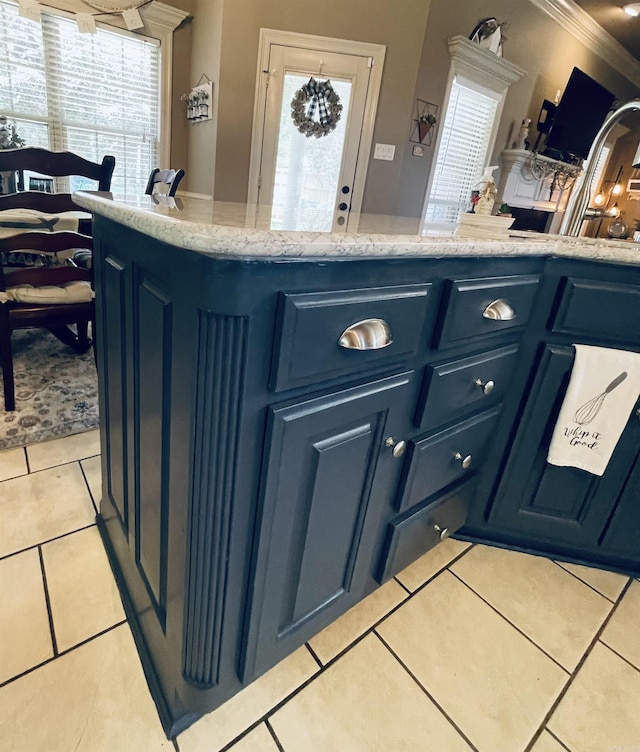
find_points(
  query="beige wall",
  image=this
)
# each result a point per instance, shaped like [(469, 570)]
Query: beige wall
[(224, 45), (534, 42), (376, 21)]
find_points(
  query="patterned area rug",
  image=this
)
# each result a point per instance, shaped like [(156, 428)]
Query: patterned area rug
[(56, 391)]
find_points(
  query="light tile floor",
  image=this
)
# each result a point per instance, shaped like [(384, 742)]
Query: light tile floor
[(470, 648)]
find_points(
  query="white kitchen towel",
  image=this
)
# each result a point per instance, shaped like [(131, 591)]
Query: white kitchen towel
[(602, 392)]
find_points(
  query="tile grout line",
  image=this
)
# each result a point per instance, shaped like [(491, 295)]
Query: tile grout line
[(49, 540), (274, 736), (62, 653), (47, 601), (560, 742), (510, 623), (86, 482), (404, 587), (622, 658), (430, 579), (313, 653), (611, 600), (372, 630), (265, 716), (576, 671), (426, 692), (50, 467), (335, 658)]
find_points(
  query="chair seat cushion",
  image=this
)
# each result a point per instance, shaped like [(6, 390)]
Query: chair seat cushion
[(71, 292)]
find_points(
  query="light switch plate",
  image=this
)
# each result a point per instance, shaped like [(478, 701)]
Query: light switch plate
[(384, 151)]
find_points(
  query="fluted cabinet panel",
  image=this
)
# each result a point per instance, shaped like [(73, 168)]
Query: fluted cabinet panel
[(221, 365)]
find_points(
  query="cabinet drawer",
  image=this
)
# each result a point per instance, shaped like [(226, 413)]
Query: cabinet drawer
[(413, 536), (438, 460), (602, 310), (451, 388), (312, 324), (468, 311)]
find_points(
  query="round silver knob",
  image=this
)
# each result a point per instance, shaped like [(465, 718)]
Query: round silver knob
[(486, 386), (464, 461), (398, 447), (443, 532)]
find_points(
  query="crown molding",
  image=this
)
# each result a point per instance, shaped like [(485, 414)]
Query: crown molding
[(482, 65), (580, 25), (159, 19)]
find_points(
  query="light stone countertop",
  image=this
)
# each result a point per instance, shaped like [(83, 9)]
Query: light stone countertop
[(222, 229)]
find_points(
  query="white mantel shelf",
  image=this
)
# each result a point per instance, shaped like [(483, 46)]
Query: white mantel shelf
[(518, 187), (220, 229)]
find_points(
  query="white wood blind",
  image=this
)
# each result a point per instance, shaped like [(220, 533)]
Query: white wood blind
[(462, 155), (92, 94)]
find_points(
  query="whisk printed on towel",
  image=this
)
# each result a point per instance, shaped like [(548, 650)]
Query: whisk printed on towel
[(585, 414)]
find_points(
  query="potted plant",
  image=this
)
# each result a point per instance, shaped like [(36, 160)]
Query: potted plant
[(425, 122)]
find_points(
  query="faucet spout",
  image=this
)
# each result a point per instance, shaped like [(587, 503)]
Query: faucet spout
[(579, 200)]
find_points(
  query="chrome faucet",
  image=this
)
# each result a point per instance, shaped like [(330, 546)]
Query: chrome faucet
[(578, 203)]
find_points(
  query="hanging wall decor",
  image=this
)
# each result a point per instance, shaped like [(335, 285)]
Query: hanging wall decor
[(425, 117), (198, 101), (316, 97)]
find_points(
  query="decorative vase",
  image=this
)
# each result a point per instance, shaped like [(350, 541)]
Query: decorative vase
[(423, 129)]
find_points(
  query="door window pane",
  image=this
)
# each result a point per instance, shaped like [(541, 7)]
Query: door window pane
[(307, 169)]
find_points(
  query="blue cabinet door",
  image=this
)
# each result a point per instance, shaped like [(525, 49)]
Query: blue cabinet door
[(548, 503), (329, 473)]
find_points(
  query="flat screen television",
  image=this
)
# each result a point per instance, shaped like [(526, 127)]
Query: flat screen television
[(583, 108)]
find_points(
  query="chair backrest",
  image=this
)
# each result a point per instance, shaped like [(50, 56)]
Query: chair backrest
[(168, 178), (49, 243), (56, 164), (49, 203)]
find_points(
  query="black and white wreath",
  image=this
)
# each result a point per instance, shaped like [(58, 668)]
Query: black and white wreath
[(320, 96)]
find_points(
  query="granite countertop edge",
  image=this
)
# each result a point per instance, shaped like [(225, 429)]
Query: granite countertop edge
[(231, 241)]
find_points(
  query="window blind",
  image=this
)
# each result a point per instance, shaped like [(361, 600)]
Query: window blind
[(92, 94), (462, 155)]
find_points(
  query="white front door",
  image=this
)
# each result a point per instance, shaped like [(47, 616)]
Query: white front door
[(306, 182)]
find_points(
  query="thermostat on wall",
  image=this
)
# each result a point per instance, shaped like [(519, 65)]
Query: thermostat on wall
[(384, 151)]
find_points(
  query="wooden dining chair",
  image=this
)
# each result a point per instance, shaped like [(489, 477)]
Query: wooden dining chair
[(53, 298), (164, 181), (57, 164)]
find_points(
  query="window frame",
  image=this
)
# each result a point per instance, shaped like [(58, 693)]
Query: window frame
[(485, 72), (160, 21)]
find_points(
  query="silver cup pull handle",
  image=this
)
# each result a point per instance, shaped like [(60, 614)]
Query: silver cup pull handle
[(499, 310), (369, 334)]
